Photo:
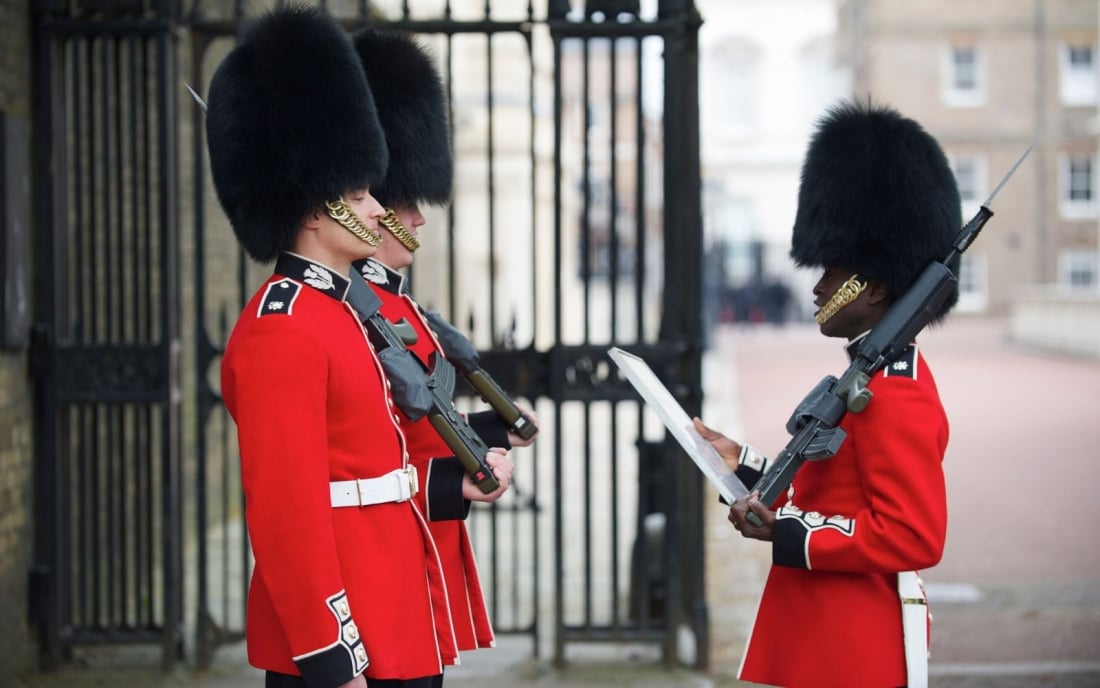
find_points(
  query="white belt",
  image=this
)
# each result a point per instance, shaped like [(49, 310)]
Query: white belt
[(914, 622), (398, 485)]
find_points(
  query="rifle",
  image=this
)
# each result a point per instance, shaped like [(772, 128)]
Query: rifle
[(414, 391), (418, 393), (464, 356), (814, 423)]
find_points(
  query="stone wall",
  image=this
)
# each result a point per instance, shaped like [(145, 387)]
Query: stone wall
[(17, 648), (1058, 321)]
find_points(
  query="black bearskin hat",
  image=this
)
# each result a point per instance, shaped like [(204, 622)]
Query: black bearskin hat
[(290, 124), (408, 92), (877, 196)]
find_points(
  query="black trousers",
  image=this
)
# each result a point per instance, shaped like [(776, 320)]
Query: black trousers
[(276, 680)]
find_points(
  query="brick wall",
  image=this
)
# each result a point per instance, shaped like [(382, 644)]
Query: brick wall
[(17, 648)]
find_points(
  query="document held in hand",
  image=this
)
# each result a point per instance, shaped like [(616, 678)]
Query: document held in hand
[(679, 425)]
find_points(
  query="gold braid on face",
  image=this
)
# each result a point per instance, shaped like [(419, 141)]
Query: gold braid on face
[(845, 294), (340, 211), (392, 223)]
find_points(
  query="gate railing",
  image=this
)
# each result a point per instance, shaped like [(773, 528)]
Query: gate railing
[(574, 227), (556, 102), (106, 337)]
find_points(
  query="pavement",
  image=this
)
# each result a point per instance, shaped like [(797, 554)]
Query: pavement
[(1016, 600)]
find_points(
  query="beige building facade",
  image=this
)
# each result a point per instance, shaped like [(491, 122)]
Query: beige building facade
[(988, 80)]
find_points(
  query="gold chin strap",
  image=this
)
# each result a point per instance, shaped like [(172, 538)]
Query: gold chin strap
[(845, 294), (340, 211), (390, 222)]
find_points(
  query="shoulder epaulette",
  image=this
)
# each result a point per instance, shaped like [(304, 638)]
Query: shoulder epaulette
[(279, 297), (904, 366)]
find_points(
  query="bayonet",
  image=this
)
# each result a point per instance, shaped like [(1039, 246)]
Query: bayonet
[(970, 230), (1011, 171), (197, 97)]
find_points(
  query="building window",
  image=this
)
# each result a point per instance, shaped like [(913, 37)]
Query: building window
[(963, 83), (1077, 186), (973, 282), (971, 176), (822, 82), (1077, 269), (1077, 75), (965, 68), (966, 176), (728, 97), (1080, 180)]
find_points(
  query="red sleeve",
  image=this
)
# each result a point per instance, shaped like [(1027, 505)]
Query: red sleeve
[(276, 389), (898, 521)]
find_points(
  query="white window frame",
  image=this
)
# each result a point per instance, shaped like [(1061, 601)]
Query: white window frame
[(1073, 262), (1077, 209), (822, 81), (973, 282), (952, 95), (1077, 84), (979, 164), (730, 99)]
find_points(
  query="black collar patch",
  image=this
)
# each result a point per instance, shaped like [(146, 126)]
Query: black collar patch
[(381, 274), (904, 366), (323, 279)]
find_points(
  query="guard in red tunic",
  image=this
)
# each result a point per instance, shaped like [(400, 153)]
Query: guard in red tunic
[(347, 590), (843, 605), (409, 95)]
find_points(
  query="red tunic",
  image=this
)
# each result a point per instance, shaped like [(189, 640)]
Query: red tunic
[(332, 588), (830, 613), (440, 473)]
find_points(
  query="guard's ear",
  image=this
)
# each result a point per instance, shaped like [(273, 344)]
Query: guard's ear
[(313, 220), (877, 293)]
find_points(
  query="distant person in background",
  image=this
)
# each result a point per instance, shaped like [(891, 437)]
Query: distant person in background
[(777, 296), (843, 605)]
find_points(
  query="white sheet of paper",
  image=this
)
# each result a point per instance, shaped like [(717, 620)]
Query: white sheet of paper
[(658, 398)]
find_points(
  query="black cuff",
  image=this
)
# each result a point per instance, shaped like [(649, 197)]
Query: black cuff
[(747, 476), (444, 490), (490, 428), (327, 669), (789, 543)]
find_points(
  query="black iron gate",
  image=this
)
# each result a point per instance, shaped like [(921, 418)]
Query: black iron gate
[(106, 348), (575, 226)]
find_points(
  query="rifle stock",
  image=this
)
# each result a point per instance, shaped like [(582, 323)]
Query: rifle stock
[(461, 352), (415, 391)]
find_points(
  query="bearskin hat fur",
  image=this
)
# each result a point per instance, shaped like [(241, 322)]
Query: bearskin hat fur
[(290, 124), (877, 196), (408, 93)]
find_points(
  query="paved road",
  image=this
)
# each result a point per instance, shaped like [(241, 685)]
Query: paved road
[(1016, 599)]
